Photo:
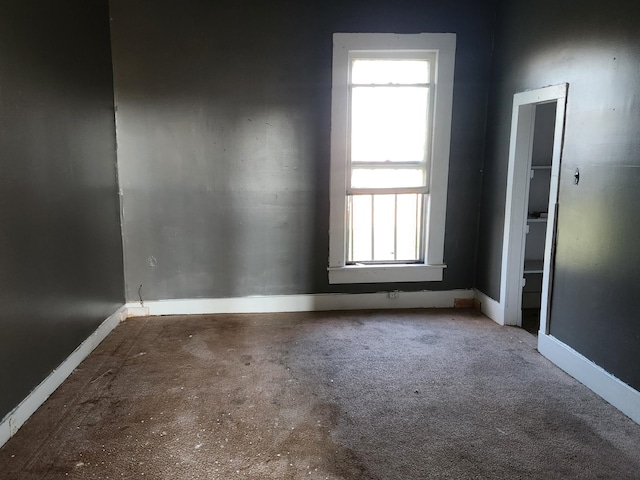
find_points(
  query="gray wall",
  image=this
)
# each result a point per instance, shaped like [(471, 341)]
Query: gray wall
[(595, 47), (60, 247), (223, 119)]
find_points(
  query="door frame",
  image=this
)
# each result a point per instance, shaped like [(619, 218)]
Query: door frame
[(516, 206)]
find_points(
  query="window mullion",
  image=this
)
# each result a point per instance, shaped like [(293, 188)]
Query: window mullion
[(373, 227), (395, 227), (420, 251)]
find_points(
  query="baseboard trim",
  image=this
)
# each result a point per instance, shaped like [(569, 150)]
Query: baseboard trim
[(490, 307), (301, 303), (613, 390), (16, 418)]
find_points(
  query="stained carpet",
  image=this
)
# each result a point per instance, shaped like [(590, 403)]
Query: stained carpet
[(325, 396)]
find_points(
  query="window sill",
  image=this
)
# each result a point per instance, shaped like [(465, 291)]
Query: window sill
[(385, 273)]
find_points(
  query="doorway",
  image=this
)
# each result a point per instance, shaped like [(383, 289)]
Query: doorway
[(537, 214), (537, 129)]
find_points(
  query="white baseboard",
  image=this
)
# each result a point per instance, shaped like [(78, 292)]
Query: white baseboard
[(16, 418), (490, 307), (133, 310), (300, 303), (613, 390)]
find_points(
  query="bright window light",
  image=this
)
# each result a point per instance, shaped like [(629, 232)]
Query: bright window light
[(389, 124), (389, 151), (382, 72)]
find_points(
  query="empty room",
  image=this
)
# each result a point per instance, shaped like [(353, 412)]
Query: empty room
[(332, 240)]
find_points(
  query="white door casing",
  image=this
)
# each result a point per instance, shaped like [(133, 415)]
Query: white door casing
[(520, 152)]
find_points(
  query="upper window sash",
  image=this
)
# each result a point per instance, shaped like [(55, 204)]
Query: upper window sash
[(415, 71)]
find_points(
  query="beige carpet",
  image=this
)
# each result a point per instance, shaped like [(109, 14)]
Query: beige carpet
[(367, 395)]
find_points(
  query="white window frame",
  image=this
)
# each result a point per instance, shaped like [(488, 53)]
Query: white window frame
[(443, 45)]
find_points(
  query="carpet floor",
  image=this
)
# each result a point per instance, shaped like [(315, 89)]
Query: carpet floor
[(403, 395)]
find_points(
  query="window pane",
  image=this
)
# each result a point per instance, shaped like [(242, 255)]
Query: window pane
[(409, 219), (390, 71), (388, 124), (386, 178), (360, 246), (384, 228)]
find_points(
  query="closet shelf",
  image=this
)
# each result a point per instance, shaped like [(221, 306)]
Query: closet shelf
[(533, 266)]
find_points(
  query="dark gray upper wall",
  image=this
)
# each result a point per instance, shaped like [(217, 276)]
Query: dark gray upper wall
[(60, 249), (595, 47), (223, 139)]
